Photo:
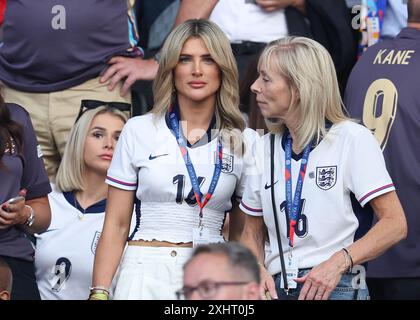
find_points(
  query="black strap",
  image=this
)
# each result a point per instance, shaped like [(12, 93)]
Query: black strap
[(273, 203)]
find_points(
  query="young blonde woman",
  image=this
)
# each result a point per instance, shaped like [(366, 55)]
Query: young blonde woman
[(321, 161), (182, 164), (64, 253)]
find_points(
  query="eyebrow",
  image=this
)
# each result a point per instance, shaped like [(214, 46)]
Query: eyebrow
[(207, 55), (98, 128), (103, 129)]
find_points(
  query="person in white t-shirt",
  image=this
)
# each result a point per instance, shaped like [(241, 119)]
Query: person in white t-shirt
[(65, 252), (320, 159), (185, 155)]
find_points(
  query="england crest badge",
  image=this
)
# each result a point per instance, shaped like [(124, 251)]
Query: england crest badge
[(326, 177), (227, 162)]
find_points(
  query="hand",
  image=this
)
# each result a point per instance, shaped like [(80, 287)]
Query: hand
[(267, 284), (12, 214), (130, 69), (322, 279), (273, 5)]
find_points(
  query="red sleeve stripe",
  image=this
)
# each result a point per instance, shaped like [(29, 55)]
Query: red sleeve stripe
[(374, 191), (122, 182), (250, 209)]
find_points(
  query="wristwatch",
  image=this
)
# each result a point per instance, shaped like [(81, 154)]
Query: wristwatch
[(31, 218)]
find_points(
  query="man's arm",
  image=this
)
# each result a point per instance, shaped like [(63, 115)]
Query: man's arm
[(194, 9), (272, 5)]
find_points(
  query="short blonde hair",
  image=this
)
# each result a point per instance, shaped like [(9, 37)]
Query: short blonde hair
[(229, 120), (309, 70), (70, 173)]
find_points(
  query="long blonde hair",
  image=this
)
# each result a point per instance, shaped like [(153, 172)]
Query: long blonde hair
[(309, 70), (229, 120)]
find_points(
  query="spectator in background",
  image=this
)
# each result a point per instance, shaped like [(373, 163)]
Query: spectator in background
[(2, 9), (379, 19), (62, 60), (221, 271), (64, 253), (21, 173), (395, 18), (383, 92), (155, 19), (6, 280)]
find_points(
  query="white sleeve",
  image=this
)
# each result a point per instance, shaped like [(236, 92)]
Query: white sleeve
[(249, 164), (122, 173), (366, 174), (251, 199)]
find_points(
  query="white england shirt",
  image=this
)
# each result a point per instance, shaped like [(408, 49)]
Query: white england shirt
[(348, 160), (65, 252), (147, 159)]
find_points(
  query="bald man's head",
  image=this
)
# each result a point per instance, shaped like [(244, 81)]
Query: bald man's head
[(5, 280), (413, 7)]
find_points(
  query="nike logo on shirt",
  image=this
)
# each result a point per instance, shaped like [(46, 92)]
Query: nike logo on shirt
[(269, 186), (157, 156)]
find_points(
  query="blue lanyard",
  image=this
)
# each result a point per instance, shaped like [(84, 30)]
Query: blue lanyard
[(174, 123), (293, 207)]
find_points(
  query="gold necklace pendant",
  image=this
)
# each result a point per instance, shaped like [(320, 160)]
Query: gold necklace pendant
[(80, 214)]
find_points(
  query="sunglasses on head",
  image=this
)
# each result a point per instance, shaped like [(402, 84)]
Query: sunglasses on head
[(93, 104)]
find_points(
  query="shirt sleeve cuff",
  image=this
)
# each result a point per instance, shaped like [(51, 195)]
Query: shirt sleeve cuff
[(120, 184), (375, 193), (38, 190), (257, 212)]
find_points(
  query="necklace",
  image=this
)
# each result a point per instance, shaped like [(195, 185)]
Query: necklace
[(80, 214)]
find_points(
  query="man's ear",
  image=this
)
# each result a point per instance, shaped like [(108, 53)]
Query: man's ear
[(4, 295)]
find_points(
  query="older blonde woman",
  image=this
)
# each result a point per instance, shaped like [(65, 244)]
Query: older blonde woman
[(312, 163), (182, 163)]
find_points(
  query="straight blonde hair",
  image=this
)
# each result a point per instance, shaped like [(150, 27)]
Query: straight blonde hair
[(229, 120), (70, 172), (309, 70)]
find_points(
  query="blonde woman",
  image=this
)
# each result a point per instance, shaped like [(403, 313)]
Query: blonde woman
[(321, 160), (64, 253), (182, 164)]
